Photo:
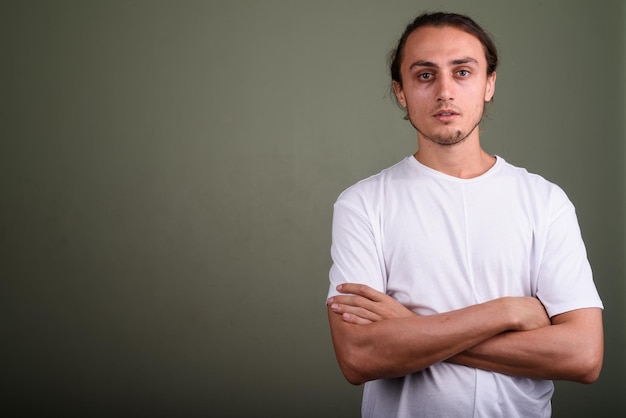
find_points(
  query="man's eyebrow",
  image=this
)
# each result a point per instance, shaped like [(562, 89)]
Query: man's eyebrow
[(422, 63), (465, 60), (429, 64)]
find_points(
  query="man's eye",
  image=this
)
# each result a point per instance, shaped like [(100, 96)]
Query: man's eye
[(425, 76), (463, 73)]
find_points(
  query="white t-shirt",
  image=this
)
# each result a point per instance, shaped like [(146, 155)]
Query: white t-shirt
[(437, 243)]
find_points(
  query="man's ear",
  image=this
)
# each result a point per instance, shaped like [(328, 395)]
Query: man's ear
[(399, 92), (491, 87)]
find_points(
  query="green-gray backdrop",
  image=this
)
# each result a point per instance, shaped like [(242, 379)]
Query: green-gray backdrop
[(167, 175)]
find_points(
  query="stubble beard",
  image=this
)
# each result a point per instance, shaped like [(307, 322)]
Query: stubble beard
[(448, 139)]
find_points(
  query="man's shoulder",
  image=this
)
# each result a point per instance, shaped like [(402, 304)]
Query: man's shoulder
[(534, 183), (375, 182), (524, 174)]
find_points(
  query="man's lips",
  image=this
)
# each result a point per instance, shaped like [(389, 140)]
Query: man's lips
[(445, 112), (445, 115)]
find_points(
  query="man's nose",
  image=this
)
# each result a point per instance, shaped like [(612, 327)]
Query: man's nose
[(445, 88)]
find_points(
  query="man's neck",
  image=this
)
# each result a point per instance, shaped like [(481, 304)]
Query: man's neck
[(465, 160)]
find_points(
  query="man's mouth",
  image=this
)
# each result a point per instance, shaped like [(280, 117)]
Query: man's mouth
[(446, 115)]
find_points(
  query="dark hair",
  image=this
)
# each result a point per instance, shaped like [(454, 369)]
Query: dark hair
[(440, 19)]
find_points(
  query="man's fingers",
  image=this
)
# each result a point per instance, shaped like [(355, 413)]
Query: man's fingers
[(350, 300), (361, 290), (358, 302), (352, 312), (353, 319)]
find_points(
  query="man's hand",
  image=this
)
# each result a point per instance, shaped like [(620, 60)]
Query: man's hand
[(528, 312), (363, 305)]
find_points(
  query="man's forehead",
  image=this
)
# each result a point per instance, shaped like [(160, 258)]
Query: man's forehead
[(432, 44)]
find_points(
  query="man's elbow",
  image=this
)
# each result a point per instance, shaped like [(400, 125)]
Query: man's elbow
[(589, 367), (590, 372), (353, 377), (353, 368)]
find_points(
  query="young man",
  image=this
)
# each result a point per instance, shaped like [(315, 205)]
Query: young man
[(460, 285)]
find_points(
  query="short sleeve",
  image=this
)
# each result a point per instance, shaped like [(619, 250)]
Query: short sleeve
[(354, 250), (565, 279)]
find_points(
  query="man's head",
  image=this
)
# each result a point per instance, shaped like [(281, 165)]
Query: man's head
[(443, 73)]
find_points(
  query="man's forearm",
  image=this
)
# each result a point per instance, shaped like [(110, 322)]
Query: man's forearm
[(570, 349)]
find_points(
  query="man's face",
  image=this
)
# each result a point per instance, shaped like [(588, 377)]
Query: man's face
[(444, 84)]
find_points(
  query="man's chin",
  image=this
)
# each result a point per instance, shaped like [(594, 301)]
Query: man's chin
[(447, 140)]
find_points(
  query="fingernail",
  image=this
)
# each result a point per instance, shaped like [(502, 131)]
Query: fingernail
[(334, 306), (339, 287), (329, 301)]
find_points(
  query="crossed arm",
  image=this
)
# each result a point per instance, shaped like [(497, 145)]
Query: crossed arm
[(376, 337)]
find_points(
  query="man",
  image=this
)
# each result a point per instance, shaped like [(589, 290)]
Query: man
[(460, 285)]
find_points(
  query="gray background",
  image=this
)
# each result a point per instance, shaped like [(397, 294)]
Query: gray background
[(167, 175)]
